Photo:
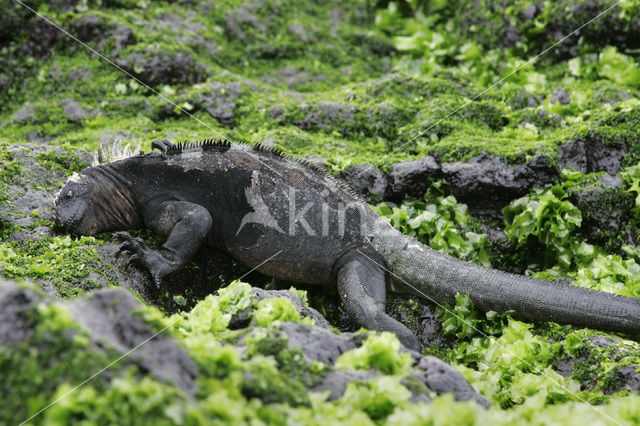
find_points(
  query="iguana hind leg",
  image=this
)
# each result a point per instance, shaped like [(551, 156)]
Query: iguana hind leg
[(184, 224), (361, 284)]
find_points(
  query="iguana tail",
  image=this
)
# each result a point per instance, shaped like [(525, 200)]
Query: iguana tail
[(420, 270)]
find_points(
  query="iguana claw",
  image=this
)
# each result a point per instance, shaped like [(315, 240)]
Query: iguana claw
[(141, 255)]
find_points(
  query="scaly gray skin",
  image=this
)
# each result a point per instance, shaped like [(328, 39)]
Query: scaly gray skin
[(295, 222)]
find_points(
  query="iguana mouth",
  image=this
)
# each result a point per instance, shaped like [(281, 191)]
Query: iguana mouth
[(66, 225)]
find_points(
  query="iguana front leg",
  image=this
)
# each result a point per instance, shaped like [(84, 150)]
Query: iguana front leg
[(184, 224), (362, 289)]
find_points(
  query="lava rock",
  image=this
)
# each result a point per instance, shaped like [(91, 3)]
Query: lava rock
[(411, 178), (323, 345), (220, 101), (606, 212), (159, 67), (26, 114), (528, 13), (325, 114), (317, 344), (289, 77), (563, 367), (336, 381), (63, 5), (591, 155), (305, 311), (420, 318), (365, 180), (98, 29), (560, 96), (42, 37), (440, 377), (487, 184), (524, 99), (603, 341), (242, 17), (74, 111), (430, 332), (90, 28), (627, 378), (15, 307), (109, 317), (276, 111)]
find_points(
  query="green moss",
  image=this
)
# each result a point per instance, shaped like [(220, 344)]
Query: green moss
[(605, 214), (62, 261), (10, 173), (301, 57), (65, 163), (406, 310), (485, 113), (137, 400), (273, 310), (378, 398), (263, 381), (380, 351), (33, 369), (290, 361)]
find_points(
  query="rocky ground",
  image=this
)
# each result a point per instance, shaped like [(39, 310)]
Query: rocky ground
[(536, 176)]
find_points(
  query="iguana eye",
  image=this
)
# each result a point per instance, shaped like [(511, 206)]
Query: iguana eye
[(69, 194)]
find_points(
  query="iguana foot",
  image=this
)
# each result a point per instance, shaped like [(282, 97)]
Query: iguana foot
[(362, 289), (142, 256)]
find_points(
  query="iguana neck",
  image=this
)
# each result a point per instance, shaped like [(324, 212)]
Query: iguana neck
[(113, 200)]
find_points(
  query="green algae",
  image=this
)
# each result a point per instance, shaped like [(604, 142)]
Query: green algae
[(379, 351), (344, 61), (268, 383), (33, 369), (63, 262)]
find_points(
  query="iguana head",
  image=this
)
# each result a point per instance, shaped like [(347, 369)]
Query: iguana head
[(91, 202), (73, 206)]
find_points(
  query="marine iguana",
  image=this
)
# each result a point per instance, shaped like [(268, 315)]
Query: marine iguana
[(295, 222)]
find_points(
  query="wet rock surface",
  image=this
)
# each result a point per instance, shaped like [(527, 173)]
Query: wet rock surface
[(420, 317), (322, 345), (560, 96), (219, 100), (628, 378), (305, 311), (411, 178), (15, 307), (440, 377), (93, 28), (324, 115), (486, 184), (365, 180), (601, 349), (108, 317), (592, 155), (606, 211), (156, 67), (74, 111), (42, 37)]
